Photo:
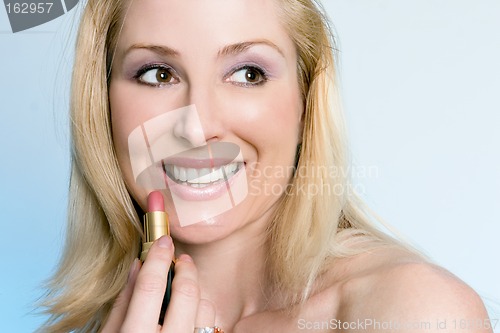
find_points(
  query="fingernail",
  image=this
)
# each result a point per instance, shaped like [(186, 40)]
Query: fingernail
[(165, 242), (133, 269), (185, 257)]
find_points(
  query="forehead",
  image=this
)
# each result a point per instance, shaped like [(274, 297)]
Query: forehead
[(203, 25)]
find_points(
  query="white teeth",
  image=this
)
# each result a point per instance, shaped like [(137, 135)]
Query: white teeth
[(229, 169), (202, 177), (226, 170), (192, 174), (182, 174), (176, 172), (216, 175)]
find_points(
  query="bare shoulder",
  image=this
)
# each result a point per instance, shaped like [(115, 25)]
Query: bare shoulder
[(385, 290), (394, 287)]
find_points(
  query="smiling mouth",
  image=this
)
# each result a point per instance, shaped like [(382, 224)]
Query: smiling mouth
[(201, 177)]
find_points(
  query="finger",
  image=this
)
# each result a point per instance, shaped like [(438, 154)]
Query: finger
[(181, 312), (144, 308), (205, 316), (120, 306)]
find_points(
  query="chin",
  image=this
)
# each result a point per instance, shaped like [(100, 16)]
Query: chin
[(209, 230)]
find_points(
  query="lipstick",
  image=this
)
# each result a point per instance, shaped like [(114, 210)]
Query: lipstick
[(155, 222), (155, 226)]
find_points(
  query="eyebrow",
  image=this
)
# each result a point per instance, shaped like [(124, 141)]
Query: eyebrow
[(232, 49), (243, 46), (161, 50)]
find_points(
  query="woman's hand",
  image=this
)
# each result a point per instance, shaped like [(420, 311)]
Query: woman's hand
[(137, 308)]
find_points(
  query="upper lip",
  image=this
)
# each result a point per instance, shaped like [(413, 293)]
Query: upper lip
[(211, 155), (198, 163)]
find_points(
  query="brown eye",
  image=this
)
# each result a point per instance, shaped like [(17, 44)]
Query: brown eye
[(252, 75), (157, 76), (163, 75), (248, 76)]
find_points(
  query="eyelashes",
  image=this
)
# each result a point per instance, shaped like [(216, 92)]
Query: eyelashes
[(156, 75), (247, 76), (160, 75)]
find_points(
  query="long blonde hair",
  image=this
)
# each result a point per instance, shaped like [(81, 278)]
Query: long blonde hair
[(331, 222), (104, 232)]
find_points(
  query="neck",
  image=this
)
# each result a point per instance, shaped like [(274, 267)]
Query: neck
[(232, 272)]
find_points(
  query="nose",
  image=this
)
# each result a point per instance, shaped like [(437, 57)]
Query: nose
[(202, 122), (188, 127)]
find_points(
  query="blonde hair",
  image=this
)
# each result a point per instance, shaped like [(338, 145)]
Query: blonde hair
[(104, 232), (307, 229)]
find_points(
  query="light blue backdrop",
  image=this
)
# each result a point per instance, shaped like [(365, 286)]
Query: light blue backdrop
[(421, 88), (420, 83)]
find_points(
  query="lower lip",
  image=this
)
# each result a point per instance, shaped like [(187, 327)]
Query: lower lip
[(209, 192)]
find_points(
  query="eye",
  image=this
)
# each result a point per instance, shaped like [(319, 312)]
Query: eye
[(248, 76), (156, 75)]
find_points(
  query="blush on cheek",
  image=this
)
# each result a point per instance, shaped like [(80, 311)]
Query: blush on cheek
[(127, 107), (286, 110), (122, 123), (271, 123)]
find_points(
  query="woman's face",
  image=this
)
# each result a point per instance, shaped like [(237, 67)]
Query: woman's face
[(217, 81)]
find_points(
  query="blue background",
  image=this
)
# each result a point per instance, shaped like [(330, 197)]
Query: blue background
[(420, 87)]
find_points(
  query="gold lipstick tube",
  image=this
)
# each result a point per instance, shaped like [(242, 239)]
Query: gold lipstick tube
[(155, 226)]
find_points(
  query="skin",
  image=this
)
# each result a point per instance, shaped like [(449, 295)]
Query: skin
[(222, 280), (229, 112)]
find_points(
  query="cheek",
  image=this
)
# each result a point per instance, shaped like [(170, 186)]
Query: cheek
[(271, 120), (121, 126), (122, 122), (131, 107), (128, 111)]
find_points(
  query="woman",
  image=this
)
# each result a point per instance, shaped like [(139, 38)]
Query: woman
[(296, 251)]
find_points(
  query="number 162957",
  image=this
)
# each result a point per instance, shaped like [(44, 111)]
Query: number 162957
[(29, 8)]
